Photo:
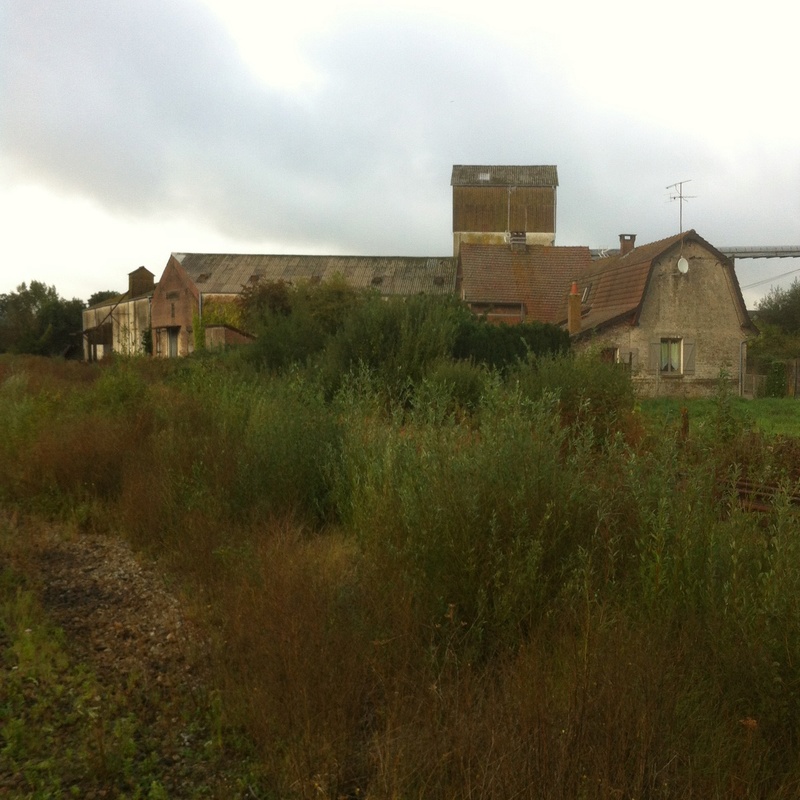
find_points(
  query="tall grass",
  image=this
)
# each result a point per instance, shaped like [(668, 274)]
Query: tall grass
[(494, 586)]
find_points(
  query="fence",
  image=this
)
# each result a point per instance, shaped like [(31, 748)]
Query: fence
[(753, 385)]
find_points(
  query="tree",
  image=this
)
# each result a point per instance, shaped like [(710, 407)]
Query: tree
[(781, 308), (99, 297), (778, 320), (35, 320)]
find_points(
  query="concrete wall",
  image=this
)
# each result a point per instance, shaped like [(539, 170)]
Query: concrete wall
[(498, 238), (701, 309), (129, 320)]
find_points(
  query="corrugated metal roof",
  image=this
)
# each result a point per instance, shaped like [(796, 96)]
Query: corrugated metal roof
[(766, 251), (538, 277), (503, 175), (227, 273)]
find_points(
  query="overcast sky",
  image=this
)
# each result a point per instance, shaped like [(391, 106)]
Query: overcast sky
[(129, 130)]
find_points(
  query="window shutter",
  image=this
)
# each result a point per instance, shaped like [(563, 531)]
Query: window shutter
[(654, 362), (688, 358)]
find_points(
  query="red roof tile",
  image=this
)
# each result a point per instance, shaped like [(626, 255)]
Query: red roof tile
[(538, 277), (617, 285)]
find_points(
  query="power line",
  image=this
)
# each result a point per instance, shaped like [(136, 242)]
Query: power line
[(769, 280)]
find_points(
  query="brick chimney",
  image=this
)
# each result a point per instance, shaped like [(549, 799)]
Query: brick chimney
[(574, 310), (627, 241), (140, 281)]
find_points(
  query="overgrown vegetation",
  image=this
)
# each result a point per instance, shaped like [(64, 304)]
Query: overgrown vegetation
[(778, 344), (431, 577), (68, 731), (334, 329)]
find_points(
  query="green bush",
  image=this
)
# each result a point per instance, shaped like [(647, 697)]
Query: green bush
[(487, 522), (776, 380), (397, 339), (502, 346), (294, 323), (588, 389), (452, 387)]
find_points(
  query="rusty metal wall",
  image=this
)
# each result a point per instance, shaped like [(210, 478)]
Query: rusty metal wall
[(501, 208)]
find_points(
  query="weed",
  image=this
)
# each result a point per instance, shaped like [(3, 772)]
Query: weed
[(462, 584)]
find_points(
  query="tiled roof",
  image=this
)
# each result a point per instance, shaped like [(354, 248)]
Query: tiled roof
[(539, 277), (483, 175), (616, 285), (219, 273)]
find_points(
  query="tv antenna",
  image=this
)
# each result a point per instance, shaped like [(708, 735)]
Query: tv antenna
[(682, 198)]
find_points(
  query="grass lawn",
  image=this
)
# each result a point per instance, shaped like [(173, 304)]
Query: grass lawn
[(771, 415)]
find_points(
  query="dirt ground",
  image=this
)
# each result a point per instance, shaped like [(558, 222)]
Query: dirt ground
[(118, 615)]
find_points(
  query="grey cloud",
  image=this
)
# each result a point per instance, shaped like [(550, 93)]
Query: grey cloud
[(147, 108)]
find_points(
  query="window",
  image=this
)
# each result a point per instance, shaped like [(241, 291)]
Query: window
[(609, 355), (671, 356)]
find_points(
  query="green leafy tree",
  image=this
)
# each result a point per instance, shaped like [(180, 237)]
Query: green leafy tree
[(103, 294), (502, 346), (294, 323), (781, 308), (35, 320), (778, 320)]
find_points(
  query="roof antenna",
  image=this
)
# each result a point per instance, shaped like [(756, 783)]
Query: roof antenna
[(677, 188), (681, 197)]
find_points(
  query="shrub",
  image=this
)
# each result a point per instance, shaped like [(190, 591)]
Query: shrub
[(776, 380), (452, 387), (588, 389), (396, 338), (294, 323), (485, 521), (502, 346)]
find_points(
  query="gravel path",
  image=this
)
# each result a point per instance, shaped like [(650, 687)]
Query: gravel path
[(123, 623)]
